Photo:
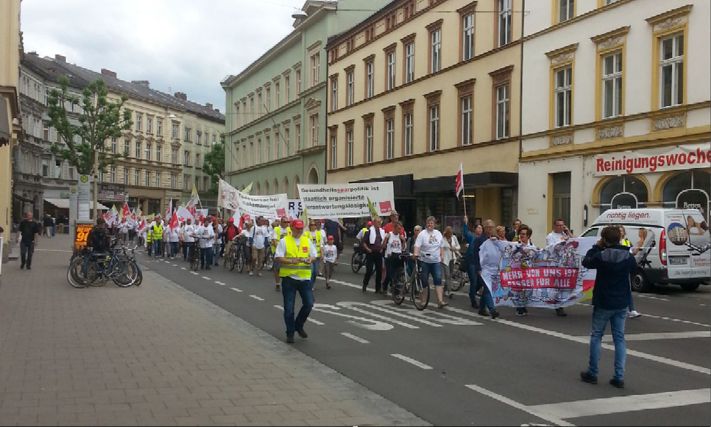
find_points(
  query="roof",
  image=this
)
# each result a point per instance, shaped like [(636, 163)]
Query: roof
[(79, 77)]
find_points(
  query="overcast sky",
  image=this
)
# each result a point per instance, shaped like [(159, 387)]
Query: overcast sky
[(177, 45)]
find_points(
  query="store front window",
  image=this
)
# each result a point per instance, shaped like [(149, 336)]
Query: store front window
[(689, 190), (624, 192)]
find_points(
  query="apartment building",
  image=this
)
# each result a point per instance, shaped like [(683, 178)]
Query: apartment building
[(616, 109), (276, 107), (160, 156), (420, 87)]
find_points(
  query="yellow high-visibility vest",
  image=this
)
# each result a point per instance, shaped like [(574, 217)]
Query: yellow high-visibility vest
[(296, 250), (316, 240), (158, 232)]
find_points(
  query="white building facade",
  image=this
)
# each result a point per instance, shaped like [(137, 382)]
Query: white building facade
[(615, 109)]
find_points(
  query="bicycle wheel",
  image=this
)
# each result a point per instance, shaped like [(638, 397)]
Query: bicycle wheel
[(240, 261), (399, 289), (139, 274), (74, 273), (127, 274), (355, 266), (456, 282), (419, 292)]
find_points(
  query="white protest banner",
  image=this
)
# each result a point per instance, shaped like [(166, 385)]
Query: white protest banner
[(184, 214), (266, 206), (294, 208), (227, 196), (347, 200), (553, 277)]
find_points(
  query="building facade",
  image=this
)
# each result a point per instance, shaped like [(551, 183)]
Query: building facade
[(160, 157), (616, 109), (420, 87), (10, 47), (276, 107)]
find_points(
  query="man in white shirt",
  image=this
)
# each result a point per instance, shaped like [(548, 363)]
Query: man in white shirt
[(206, 237), (559, 234), (188, 239), (260, 237)]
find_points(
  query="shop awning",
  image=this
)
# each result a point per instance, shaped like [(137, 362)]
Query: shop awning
[(471, 180), (64, 204)]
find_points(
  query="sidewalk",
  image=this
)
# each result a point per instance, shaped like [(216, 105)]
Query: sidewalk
[(155, 355)]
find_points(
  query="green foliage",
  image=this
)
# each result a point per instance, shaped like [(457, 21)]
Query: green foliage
[(214, 165), (87, 131)]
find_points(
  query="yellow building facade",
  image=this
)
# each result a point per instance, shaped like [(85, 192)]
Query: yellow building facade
[(417, 89)]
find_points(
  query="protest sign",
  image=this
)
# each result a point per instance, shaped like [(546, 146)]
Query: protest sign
[(227, 196), (553, 277), (266, 206), (347, 200)]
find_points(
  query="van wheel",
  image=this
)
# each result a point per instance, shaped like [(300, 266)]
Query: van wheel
[(690, 286), (640, 283)]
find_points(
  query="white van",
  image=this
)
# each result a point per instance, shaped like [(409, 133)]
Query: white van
[(671, 246)]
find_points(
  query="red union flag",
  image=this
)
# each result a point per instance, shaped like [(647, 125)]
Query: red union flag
[(385, 207), (281, 212), (459, 182)]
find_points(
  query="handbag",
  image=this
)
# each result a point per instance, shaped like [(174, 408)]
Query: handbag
[(464, 264)]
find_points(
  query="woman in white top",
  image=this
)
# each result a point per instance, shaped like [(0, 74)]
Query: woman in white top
[(429, 248), (524, 242), (450, 254), (260, 238), (174, 239), (393, 245)]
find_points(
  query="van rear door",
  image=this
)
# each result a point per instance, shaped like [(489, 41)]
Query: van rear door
[(688, 245)]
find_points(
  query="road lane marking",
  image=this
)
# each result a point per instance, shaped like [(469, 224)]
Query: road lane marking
[(237, 290), (651, 297), (652, 336), (314, 321), (613, 405), (183, 268), (687, 322), (174, 265), (194, 273), (258, 298), (355, 338), (361, 322), (206, 278), (520, 406), (585, 340), (219, 283), (341, 282), (411, 361), (436, 316)]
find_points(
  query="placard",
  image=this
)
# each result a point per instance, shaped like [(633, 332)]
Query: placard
[(347, 200)]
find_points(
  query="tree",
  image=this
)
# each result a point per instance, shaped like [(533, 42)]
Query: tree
[(214, 164), (84, 134)]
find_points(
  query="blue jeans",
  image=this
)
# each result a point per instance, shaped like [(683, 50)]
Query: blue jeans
[(157, 246), (476, 282), (289, 288), (600, 318), (434, 269), (314, 272), (205, 257)]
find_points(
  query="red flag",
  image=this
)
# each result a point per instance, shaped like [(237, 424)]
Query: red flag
[(126, 211), (385, 207), (174, 220), (459, 182), (169, 211)]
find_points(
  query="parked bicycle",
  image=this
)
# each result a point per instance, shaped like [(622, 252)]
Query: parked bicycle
[(89, 268)]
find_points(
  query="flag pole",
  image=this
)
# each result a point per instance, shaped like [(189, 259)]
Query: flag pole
[(464, 200)]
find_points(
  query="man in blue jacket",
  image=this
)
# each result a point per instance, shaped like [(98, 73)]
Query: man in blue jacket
[(611, 296)]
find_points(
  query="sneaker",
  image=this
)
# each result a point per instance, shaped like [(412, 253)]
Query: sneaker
[(634, 314), (290, 339), (443, 304), (29, 268), (22, 266), (251, 274), (617, 383), (259, 274), (277, 287), (494, 314), (482, 312), (302, 333), (560, 312), (328, 286), (588, 378), (475, 305), (520, 312)]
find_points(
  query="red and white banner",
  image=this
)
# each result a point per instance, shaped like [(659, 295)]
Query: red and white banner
[(691, 156), (459, 182)]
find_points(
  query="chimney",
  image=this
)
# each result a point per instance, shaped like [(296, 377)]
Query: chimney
[(181, 95), (143, 83), (208, 105), (217, 110), (108, 73), (60, 58)]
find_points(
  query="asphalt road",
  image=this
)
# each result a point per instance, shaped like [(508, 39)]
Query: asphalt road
[(454, 367)]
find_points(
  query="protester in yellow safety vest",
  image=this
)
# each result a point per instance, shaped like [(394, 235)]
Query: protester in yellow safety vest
[(279, 232), (149, 240), (157, 235), (295, 254), (314, 234)]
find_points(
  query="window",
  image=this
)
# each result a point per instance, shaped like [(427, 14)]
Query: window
[(176, 130), (148, 151), (174, 156), (315, 68), (198, 137), (113, 173), (251, 108), (390, 57), (563, 96), (298, 82), (407, 134), (173, 181), (435, 50), (502, 111), (349, 88), (260, 105), (186, 182), (334, 93), (314, 129), (334, 150), (125, 176), (671, 63), (277, 94), (612, 85), (138, 149), (157, 178), (136, 176), (159, 126), (269, 101), (186, 157), (147, 177), (113, 145), (433, 133), (349, 146), (465, 108), (369, 143), (561, 195), (566, 10), (287, 137), (409, 62), (504, 22), (198, 164), (188, 132), (149, 124), (389, 138), (159, 153), (287, 89), (297, 131), (467, 37), (139, 122), (369, 79)]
